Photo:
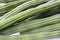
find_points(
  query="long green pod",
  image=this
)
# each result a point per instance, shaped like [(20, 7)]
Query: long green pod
[(49, 28), (36, 36), (50, 12), (9, 6), (25, 26), (39, 36), (22, 7)]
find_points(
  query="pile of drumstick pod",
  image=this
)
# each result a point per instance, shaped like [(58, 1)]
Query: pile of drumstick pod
[(34, 19)]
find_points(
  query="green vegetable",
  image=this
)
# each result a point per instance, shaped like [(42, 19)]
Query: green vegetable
[(36, 36), (48, 13), (22, 7), (34, 19), (50, 28), (42, 35), (27, 25), (25, 14), (9, 6)]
